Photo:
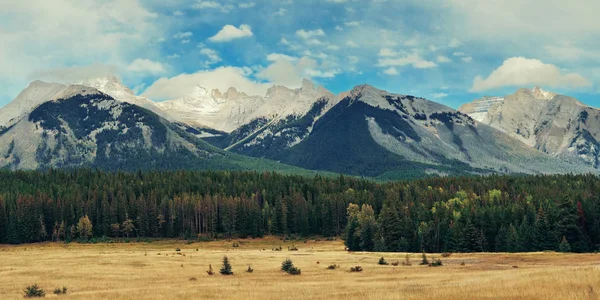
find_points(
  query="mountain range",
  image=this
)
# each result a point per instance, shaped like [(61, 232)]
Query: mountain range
[(368, 132)]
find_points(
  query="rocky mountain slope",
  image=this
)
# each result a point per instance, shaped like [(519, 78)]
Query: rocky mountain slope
[(83, 127), (232, 109), (479, 108), (373, 133), (558, 125)]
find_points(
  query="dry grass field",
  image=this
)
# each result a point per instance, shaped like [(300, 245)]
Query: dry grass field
[(156, 271)]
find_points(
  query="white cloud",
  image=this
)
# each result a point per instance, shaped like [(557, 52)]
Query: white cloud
[(75, 74), (520, 71), (246, 5), (230, 32), (387, 52), (439, 95), (443, 59), (211, 55), (281, 12), (415, 60), (352, 23), (310, 33), (182, 35), (221, 78), (569, 52), (454, 43), (46, 35), (459, 54), (278, 56), (391, 71), (467, 59), (351, 44), (146, 66), (226, 8), (173, 56), (290, 72)]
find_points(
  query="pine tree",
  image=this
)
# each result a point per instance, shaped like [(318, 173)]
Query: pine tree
[(390, 228), (226, 268), (352, 238), (564, 245)]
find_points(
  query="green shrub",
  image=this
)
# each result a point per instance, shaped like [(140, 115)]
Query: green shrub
[(249, 270), (333, 267), (406, 261), (382, 261), (286, 265), (436, 263), (59, 291), (294, 271), (424, 260), (34, 291)]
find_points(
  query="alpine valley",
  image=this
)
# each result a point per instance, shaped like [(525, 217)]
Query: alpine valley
[(368, 132)]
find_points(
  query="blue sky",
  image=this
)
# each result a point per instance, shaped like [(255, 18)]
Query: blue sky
[(450, 51)]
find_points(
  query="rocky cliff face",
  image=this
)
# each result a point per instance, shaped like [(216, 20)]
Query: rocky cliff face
[(554, 124), (230, 110)]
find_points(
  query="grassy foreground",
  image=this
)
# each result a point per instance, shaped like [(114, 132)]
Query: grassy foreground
[(157, 271)]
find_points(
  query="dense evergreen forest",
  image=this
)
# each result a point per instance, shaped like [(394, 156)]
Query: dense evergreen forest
[(451, 214)]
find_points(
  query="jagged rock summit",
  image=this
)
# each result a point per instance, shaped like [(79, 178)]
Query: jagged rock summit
[(232, 109), (558, 125)]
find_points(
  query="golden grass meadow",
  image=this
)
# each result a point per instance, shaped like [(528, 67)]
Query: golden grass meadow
[(157, 271)]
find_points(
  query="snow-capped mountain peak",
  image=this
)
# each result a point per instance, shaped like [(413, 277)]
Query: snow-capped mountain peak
[(109, 85), (541, 94)]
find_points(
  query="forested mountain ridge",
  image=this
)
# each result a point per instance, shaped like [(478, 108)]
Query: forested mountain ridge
[(492, 213)]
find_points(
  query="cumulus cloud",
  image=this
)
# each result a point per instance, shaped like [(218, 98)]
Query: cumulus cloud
[(443, 59), (201, 5), (278, 56), (521, 71), (55, 34), (308, 34), (75, 74), (212, 57), (290, 72), (391, 71), (146, 66), (230, 32), (415, 60), (182, 35), (220, 78), (439, 95)]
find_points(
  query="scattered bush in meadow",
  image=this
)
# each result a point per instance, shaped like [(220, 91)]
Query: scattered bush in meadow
[(249, 270), (210, 270), (34, 291), (356, 269), (424, 260), (436, 263), (383, 262)]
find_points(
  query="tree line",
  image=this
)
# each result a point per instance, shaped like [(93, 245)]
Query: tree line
[(449, 214)]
